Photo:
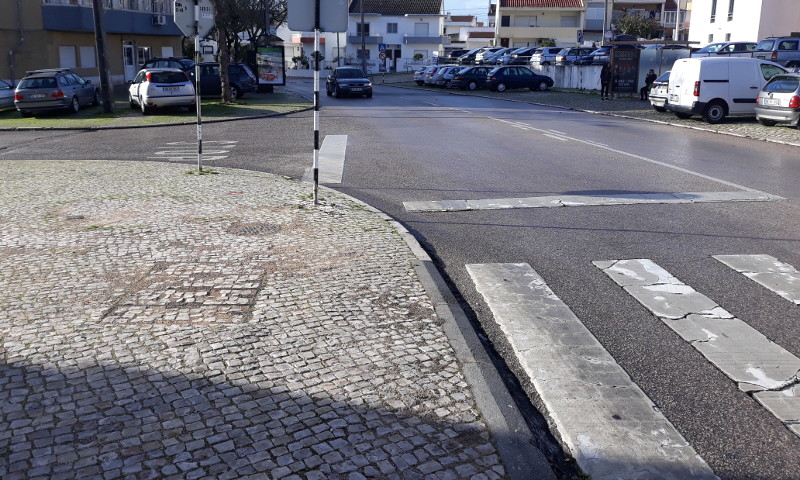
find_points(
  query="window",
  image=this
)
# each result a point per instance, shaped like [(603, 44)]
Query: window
[(88, 59), (789, 45), (362, 54), (710, 37), (67, 57), (170, 52), (770, 71), (505, 21), (391, 28), (362, 29), (730, 10), (727, 37), (525, 21), (569, 20), (144, 54), (421, 29), (713, 11)]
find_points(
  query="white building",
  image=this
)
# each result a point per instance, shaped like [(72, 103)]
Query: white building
[(408, 28), (743, 20)]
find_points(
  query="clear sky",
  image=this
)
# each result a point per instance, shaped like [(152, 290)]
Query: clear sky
[(479, 8)]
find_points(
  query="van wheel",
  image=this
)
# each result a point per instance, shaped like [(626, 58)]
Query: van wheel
[(714, 112), (767, 123)]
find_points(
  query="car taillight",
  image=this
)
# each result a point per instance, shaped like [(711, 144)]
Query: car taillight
[(794, 102), (774, 56), (696, 92), (57, 94), (148, 76), (19, 96)]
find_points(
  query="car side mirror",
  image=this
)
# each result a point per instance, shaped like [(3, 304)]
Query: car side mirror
[(88, 81)]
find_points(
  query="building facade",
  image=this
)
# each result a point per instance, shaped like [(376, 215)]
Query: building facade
[(743, 20), (523, 23), (60, 34)]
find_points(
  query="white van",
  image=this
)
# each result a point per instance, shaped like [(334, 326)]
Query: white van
[(716, 87)]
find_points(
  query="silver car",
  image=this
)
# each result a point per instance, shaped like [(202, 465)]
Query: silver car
[(54, 89), (779, 101), (659, 91), (161, 87), (6, 95)]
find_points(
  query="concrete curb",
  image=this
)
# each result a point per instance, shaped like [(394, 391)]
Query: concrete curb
[(515, 443)]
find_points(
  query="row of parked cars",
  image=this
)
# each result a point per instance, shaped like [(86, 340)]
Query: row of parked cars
[(496, 79), (162, 82), (715, 87)]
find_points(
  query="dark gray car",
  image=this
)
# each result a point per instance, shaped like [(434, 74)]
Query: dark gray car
[(54, 89)]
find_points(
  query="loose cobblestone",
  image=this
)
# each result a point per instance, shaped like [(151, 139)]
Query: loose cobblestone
[(156, 324)]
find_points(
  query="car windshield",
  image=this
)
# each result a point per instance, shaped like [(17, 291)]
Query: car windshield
[(47, 82), (349, 73), (167, 77), (782, 84), (663, 78), (711, 48), (765, 45), (4, 85)]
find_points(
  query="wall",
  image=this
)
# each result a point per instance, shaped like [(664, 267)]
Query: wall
[(753, 20)]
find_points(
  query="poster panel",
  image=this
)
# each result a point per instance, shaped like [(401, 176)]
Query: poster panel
[(625, 63), (270, 65)]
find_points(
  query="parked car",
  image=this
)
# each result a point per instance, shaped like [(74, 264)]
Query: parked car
[(471, 78), (779, 101), (180, 63), (480, 56), (493, 58), (717, 87), (159, 88), (53, 89), (520, 56), (501, 79), (659, 92), (6, 95), (348, 81), (444, 76), (601, 55), (419, 75), (469, 57), (568, 56), (452, 56), (726, 49), (545, 55), (430, 74), (241, 79), (781, 50)]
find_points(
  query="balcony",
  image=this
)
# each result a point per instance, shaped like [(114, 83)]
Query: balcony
[(163, 7), (368, 39), (537, 32), (411, 40)]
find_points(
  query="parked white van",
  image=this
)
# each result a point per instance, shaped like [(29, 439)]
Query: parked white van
[(717, 87)]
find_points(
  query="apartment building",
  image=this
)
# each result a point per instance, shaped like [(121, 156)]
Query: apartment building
[(743, 20), (521, 23)]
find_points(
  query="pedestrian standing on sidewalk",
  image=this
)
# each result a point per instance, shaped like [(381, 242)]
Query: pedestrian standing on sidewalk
[(644, 92), (605, 82)]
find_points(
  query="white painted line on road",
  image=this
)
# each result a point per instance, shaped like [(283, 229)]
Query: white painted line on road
[(563, 139), (587, 201), (611, 428), (766, 270), (331, 160), (759, 366), (558, 133)]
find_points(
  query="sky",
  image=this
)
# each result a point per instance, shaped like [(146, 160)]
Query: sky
[(479, 8)]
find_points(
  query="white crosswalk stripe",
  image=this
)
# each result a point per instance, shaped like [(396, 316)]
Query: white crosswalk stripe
[(768, 271), (759, 366), (182, 152), (609, 425)]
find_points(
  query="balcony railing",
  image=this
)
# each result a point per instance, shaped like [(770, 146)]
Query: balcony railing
[(148, 6)]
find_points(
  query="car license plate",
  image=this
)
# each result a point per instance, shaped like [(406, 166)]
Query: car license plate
[(38, 95), (771, 101), (170, 89), (356, 89), (674, 98)]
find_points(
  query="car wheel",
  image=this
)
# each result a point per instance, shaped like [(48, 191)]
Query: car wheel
[(767, 123), (659, 109), (336, 92), (542, 86), (369, 95), (25, 113), (420, 83), (96, 100), (75, 106), (683, 115), (472, 85), (501, 87), (714, 112), (327, 90), (145, 110), (235, 92), (131, 102), (447, 83)]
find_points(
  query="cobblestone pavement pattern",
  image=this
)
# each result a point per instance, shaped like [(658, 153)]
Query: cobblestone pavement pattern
[(157, 324)]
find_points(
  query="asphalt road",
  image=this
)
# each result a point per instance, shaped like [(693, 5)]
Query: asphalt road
[(409, 145)]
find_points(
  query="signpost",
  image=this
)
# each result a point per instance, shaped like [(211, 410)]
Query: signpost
[(382, 57), (317, 15), (195, 18)]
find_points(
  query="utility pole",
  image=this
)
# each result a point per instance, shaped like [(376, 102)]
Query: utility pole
[(106, 88), (363, 40)]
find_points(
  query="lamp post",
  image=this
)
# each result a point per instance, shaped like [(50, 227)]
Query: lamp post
[(363, 40)]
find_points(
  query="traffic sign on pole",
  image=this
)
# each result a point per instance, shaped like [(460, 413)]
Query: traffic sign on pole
[(382, 47), (184, 13), (301, 15)]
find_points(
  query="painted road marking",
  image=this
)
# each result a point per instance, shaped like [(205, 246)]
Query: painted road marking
[(610, 426), (587, 201), (331, 160), (777, 276), (187, 151), (759, 366)]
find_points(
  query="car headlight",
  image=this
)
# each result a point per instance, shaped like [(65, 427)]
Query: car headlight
[(369, 84)]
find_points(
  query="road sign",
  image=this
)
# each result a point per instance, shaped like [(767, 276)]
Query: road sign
[(333, 15), (382, 47), (382, 55), (184, 12), (580, 36)]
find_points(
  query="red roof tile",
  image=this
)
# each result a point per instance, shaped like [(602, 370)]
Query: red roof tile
[(542, 3)]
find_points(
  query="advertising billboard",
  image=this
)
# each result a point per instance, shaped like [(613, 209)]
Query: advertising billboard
[(625, 64), (270, 65)]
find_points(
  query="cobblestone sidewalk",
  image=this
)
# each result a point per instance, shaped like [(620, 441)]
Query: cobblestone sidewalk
[(157, 324)]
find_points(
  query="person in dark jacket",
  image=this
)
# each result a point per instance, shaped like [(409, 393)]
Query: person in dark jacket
[(644, 92), (605, 82)]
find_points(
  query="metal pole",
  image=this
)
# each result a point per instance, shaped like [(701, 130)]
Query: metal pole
[(106, 87), (197, 86), (316, 104), (363, 40), (605, 24), (676, 33)]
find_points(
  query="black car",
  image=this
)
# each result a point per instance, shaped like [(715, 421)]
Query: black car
[(503, 78), (241, 79), (471, 78), (184, 64), (469, 57), (348, 81), (521, 56)]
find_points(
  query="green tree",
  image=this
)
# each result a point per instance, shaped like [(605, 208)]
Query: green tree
[(638, 25)]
